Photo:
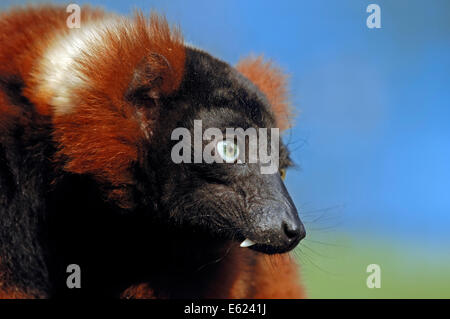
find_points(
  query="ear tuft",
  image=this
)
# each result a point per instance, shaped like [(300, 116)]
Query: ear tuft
[(151, 78), (160, 71), (273, 83)]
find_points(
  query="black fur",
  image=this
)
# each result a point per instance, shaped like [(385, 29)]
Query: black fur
[(25, 175)]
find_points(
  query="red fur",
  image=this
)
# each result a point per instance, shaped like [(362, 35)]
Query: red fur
[(273, 83)]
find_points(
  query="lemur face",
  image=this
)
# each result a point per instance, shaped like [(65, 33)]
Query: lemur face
[(234, 199)]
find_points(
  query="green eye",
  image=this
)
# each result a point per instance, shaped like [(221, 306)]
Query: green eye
[(228, 150)]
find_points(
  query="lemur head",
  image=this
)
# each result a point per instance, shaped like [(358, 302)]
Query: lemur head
[(232, 196), (116, 101)]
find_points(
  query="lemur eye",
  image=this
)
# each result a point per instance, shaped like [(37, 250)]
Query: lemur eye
[(283, 173), (228, 150)]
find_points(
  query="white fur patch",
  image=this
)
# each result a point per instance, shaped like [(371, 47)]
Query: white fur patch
[(59, 74)]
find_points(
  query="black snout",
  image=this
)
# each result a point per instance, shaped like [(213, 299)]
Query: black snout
[(276, 225), (279, 230)]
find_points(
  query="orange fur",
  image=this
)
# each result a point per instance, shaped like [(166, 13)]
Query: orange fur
[(273, 83)]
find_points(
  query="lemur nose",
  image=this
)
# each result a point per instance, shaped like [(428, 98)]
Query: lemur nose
[(293, 231)]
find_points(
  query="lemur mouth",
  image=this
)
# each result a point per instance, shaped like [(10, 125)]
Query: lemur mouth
[(268, 248), (275, 236), (247, 243)]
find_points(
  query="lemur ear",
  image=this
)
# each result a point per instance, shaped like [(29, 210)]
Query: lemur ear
[(273, 83), (161, 70), (152, 78)]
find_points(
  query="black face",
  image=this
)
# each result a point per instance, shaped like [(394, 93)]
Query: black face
[(232, 201)]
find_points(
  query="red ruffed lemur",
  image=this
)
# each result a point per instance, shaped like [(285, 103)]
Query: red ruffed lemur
[(86, 175)]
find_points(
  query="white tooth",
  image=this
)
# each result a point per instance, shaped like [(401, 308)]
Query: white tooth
[(247, 243)]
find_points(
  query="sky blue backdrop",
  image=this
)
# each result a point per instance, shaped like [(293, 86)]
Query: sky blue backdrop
[(372, 136)]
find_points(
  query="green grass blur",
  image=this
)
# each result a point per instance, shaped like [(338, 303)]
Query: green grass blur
[(335, 267)]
